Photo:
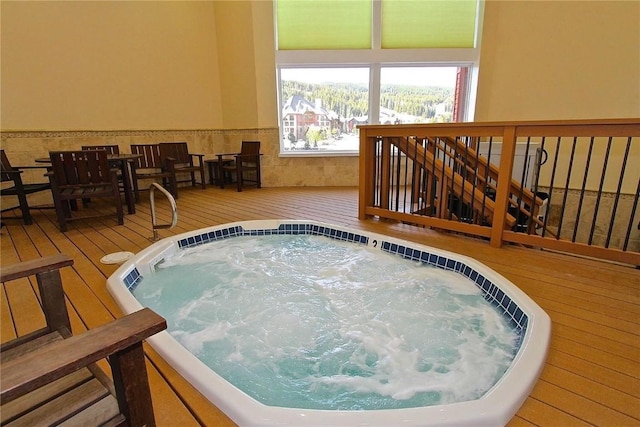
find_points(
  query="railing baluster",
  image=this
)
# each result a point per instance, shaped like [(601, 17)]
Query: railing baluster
[(553, 175), (451, 193), (546, 217), (468, 145), (582, 190), (523, 178), (631, 218), (602, 176), (406, 176), (617, 197), (425, 181), (380, 171), (483, 213), (396, 185), (566, 188)]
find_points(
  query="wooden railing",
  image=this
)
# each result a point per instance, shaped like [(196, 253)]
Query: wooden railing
[(570, 186)]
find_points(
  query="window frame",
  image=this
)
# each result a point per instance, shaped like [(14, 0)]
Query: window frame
[(375, 59)]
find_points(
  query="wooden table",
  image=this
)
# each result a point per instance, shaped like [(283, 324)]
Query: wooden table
[(215, 170), (121, 161)]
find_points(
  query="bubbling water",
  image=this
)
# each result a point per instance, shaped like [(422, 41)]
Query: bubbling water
[(309, 322)]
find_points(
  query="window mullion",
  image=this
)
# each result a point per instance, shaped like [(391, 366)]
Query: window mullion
[(376, 25), (374, 70), (374, 94)]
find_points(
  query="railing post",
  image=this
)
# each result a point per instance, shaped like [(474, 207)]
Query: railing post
[(504, 183), (367, 159)]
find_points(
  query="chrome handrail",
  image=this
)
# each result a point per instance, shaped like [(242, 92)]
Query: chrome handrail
[(174, 210)]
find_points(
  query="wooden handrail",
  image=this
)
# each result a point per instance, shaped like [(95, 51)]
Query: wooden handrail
[(446, 169), (461, 187), (480, 166)]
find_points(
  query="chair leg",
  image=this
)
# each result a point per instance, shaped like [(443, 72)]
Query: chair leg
[(118, 200), (131, 385), (258, 179), (59, 205), (136, 190), (239, 177), (61, 214), (68, 206), (24, 207), (202, 181), (120, 212), (173, 184)]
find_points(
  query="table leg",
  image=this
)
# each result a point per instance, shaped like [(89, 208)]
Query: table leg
[(126, 183)]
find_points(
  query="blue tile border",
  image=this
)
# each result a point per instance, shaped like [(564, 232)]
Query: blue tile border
[(283, 229), (492, 293)]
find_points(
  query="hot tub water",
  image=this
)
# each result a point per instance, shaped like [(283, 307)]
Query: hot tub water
[(306, 322), (495, 407)]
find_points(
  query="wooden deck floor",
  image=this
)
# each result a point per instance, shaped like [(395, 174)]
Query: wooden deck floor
[(592, 375)]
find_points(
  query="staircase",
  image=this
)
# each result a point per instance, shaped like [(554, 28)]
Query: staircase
[(464, 183)]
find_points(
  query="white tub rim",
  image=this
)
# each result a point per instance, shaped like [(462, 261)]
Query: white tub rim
[(496, 407)]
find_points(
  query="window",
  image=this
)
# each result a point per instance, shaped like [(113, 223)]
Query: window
[(417, 94), (322, 107), (346, 63)]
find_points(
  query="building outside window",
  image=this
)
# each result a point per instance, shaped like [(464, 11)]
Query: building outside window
[(346, 63)]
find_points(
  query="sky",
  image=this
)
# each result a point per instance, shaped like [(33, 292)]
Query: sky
[(416, 76)]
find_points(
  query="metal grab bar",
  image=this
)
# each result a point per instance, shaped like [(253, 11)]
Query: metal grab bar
[(174, 210)]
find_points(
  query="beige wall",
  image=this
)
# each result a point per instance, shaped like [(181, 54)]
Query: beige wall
[(563, 60), (109, 65), (559, 60), (182, 65), (247, 64)]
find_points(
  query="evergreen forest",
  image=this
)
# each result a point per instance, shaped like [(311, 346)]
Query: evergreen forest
[(351, 100)]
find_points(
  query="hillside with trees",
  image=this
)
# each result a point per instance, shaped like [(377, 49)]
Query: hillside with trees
[(351, 100)]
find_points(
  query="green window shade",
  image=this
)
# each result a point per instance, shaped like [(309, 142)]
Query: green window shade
[(428, 24), (324, 24)]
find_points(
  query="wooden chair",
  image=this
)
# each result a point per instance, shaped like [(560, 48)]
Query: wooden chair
[(50, 377), (150, 166), (110, 149), (178, 160), (82, 175), (19, 189), (246, 165)]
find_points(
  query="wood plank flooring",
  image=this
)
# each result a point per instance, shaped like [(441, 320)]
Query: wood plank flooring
[(592, 374)]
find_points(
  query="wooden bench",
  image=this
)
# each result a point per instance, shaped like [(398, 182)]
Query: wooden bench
[(49, 377)]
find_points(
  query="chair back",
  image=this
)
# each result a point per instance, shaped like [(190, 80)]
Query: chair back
[(150, 156), (5, 168), (250, 148), (86, 167), (250, 155), (175, 150), (19, 189), (111, 149)]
